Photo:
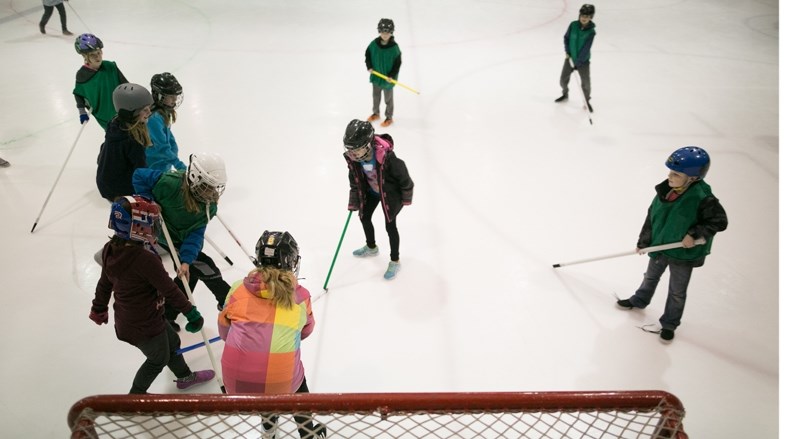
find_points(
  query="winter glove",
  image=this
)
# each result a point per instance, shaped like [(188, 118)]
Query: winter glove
[(84, 118), (99, 315), (195, 320)]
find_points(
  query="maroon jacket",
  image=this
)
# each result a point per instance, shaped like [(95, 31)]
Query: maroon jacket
[(140, 285)]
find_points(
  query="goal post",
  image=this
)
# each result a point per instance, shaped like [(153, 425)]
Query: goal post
[(611, 414)]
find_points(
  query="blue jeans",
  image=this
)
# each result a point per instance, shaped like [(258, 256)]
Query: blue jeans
[(679, 276)]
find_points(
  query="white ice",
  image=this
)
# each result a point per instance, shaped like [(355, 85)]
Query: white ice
[(508, 183)]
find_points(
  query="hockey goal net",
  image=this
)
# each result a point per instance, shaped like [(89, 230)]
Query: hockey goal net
[(620, 414)]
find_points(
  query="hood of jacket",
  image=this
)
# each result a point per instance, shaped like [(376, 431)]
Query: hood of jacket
[(382, 144), (255, 285)]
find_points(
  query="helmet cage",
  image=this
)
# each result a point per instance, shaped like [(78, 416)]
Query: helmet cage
[(360, 153), (203, 185), (279, 250), (141, 224)]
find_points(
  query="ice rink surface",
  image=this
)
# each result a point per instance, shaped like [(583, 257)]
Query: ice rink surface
[(508, 183)]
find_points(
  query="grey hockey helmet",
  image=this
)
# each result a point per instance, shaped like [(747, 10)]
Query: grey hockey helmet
[(129, 99)]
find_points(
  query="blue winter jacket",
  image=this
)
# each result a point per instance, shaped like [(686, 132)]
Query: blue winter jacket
[(163, 155)]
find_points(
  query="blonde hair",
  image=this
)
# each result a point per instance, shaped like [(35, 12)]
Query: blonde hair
[(169, 114), (189, 201), (139, 132), (281, 283)]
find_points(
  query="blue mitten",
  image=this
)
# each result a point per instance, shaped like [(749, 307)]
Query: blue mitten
[(195, 320), (84, 118)]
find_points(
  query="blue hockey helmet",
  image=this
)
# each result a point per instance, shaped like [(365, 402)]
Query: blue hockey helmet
[(690, 160)]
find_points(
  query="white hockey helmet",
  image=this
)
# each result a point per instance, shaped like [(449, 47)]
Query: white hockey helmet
[(206, 176)]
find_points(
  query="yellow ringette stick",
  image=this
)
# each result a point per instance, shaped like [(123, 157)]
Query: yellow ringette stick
[(382, 76)]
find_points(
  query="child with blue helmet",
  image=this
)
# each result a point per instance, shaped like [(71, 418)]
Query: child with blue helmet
[(684, 209)]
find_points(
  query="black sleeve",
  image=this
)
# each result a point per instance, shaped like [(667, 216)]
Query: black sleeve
[(395, 67), (646, 234), (121, 77), (711, 218), (368, 59)]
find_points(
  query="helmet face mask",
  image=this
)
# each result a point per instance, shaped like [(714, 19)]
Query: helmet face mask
[(141, 223), (279, 250), (360, 154), (357, 139), (206, 177)]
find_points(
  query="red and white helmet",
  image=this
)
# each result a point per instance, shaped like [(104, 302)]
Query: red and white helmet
[(206, 176), (135, 218)]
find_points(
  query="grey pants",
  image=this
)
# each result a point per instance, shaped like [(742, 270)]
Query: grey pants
[(160, 352), (388, 96), (586, 81)]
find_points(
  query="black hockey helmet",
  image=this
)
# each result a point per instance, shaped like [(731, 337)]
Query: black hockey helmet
[(358, 139), (163, 84), (587, 9), (357, 134), (386, 25), (279, 250)]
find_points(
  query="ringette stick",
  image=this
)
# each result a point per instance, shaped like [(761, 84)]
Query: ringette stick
[(655, 248), (219, 250), (230, 232), (393, 81), (196, 345), (79, 17), (191, 299), (83, 125), (330, 270), (580, 87)]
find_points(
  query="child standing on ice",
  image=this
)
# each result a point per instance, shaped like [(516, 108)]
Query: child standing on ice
[(127, 138), (578, 47), (188, 201), (141, 287), (684, 209), (95, 81), (376, 176), (383, 56), (168, 96), (263, 322)]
